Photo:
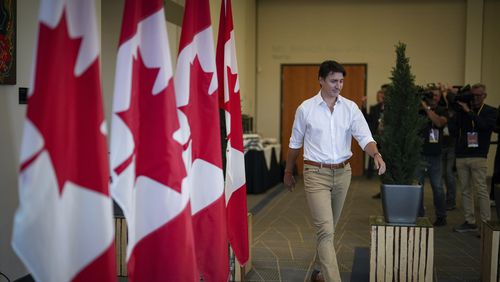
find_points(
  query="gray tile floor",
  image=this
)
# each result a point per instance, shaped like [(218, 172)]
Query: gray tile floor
[(283, 237)]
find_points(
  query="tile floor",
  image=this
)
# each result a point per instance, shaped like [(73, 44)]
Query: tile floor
[(283, 244)]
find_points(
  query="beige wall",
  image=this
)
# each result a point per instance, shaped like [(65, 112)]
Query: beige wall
[(110, 33), (490, 71)]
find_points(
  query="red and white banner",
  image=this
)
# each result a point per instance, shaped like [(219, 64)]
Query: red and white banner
[(63, 228), (235, 190), (148, 172), (196, 92)]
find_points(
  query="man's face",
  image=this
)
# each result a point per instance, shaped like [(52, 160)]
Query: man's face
[(478, 97), (380, 96), (332, 84), (436, 96)]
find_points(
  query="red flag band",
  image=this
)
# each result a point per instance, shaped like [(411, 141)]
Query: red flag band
[(196, 92), (235, 190)]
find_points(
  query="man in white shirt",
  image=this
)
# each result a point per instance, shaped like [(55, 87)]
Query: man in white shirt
[(325, 125)]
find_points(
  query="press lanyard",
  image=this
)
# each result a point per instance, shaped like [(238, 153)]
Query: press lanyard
[(480, 109)]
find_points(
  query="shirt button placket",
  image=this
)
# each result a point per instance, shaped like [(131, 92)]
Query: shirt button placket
[(332, 134)]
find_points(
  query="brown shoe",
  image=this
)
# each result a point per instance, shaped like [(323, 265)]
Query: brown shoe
[(316, 276)]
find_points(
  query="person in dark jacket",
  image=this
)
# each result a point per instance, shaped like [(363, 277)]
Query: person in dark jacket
[(432, 134), (473, 126), (375, 122)]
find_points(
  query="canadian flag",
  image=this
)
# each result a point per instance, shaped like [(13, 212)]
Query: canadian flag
[(196, 92), (236, 198), (63, 228), (149, 175)]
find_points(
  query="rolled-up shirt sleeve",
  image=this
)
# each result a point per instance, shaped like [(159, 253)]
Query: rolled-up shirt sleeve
[(298, 129), (360, 130)]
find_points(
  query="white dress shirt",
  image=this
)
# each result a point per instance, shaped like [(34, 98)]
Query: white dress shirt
[(325, 135)]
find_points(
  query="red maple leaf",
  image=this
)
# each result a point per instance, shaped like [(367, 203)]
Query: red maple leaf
[(202, 113), (152, 119), (233, 106), (67, 110)]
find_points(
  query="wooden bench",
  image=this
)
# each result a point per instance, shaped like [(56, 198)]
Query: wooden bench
[(401, 252), (490, 235)]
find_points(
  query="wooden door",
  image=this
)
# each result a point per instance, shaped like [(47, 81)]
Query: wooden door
[(300, 82)]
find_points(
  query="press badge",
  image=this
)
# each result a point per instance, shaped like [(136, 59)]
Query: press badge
[(433, 135), (472, 140), (446, 131)]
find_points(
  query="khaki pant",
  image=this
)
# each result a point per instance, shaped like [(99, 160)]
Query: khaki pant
[(472, 175), (326, 190)]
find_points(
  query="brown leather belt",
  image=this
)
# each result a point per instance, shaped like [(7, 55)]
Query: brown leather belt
[(330, 166)]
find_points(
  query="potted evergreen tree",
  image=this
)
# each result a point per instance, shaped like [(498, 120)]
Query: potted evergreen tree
[(401, 143)]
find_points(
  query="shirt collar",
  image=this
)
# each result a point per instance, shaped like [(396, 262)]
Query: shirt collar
[(318, 99)]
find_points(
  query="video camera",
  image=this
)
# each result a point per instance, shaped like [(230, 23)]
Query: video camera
[(425, 93), (463, 95)]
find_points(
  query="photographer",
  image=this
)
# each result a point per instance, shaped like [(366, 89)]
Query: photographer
[(431, 152), (473, 126)]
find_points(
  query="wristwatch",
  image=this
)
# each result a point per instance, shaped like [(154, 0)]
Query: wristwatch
[(377, 154)]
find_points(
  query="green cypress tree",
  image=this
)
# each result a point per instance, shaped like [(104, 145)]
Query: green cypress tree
[(401, 140)]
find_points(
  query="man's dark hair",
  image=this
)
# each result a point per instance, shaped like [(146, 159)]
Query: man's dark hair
[(327, 67)]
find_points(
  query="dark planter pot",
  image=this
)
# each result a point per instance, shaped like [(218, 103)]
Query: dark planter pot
[(401, 203)]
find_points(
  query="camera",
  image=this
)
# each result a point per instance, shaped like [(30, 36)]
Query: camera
[(463, 95), (424, 93)]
